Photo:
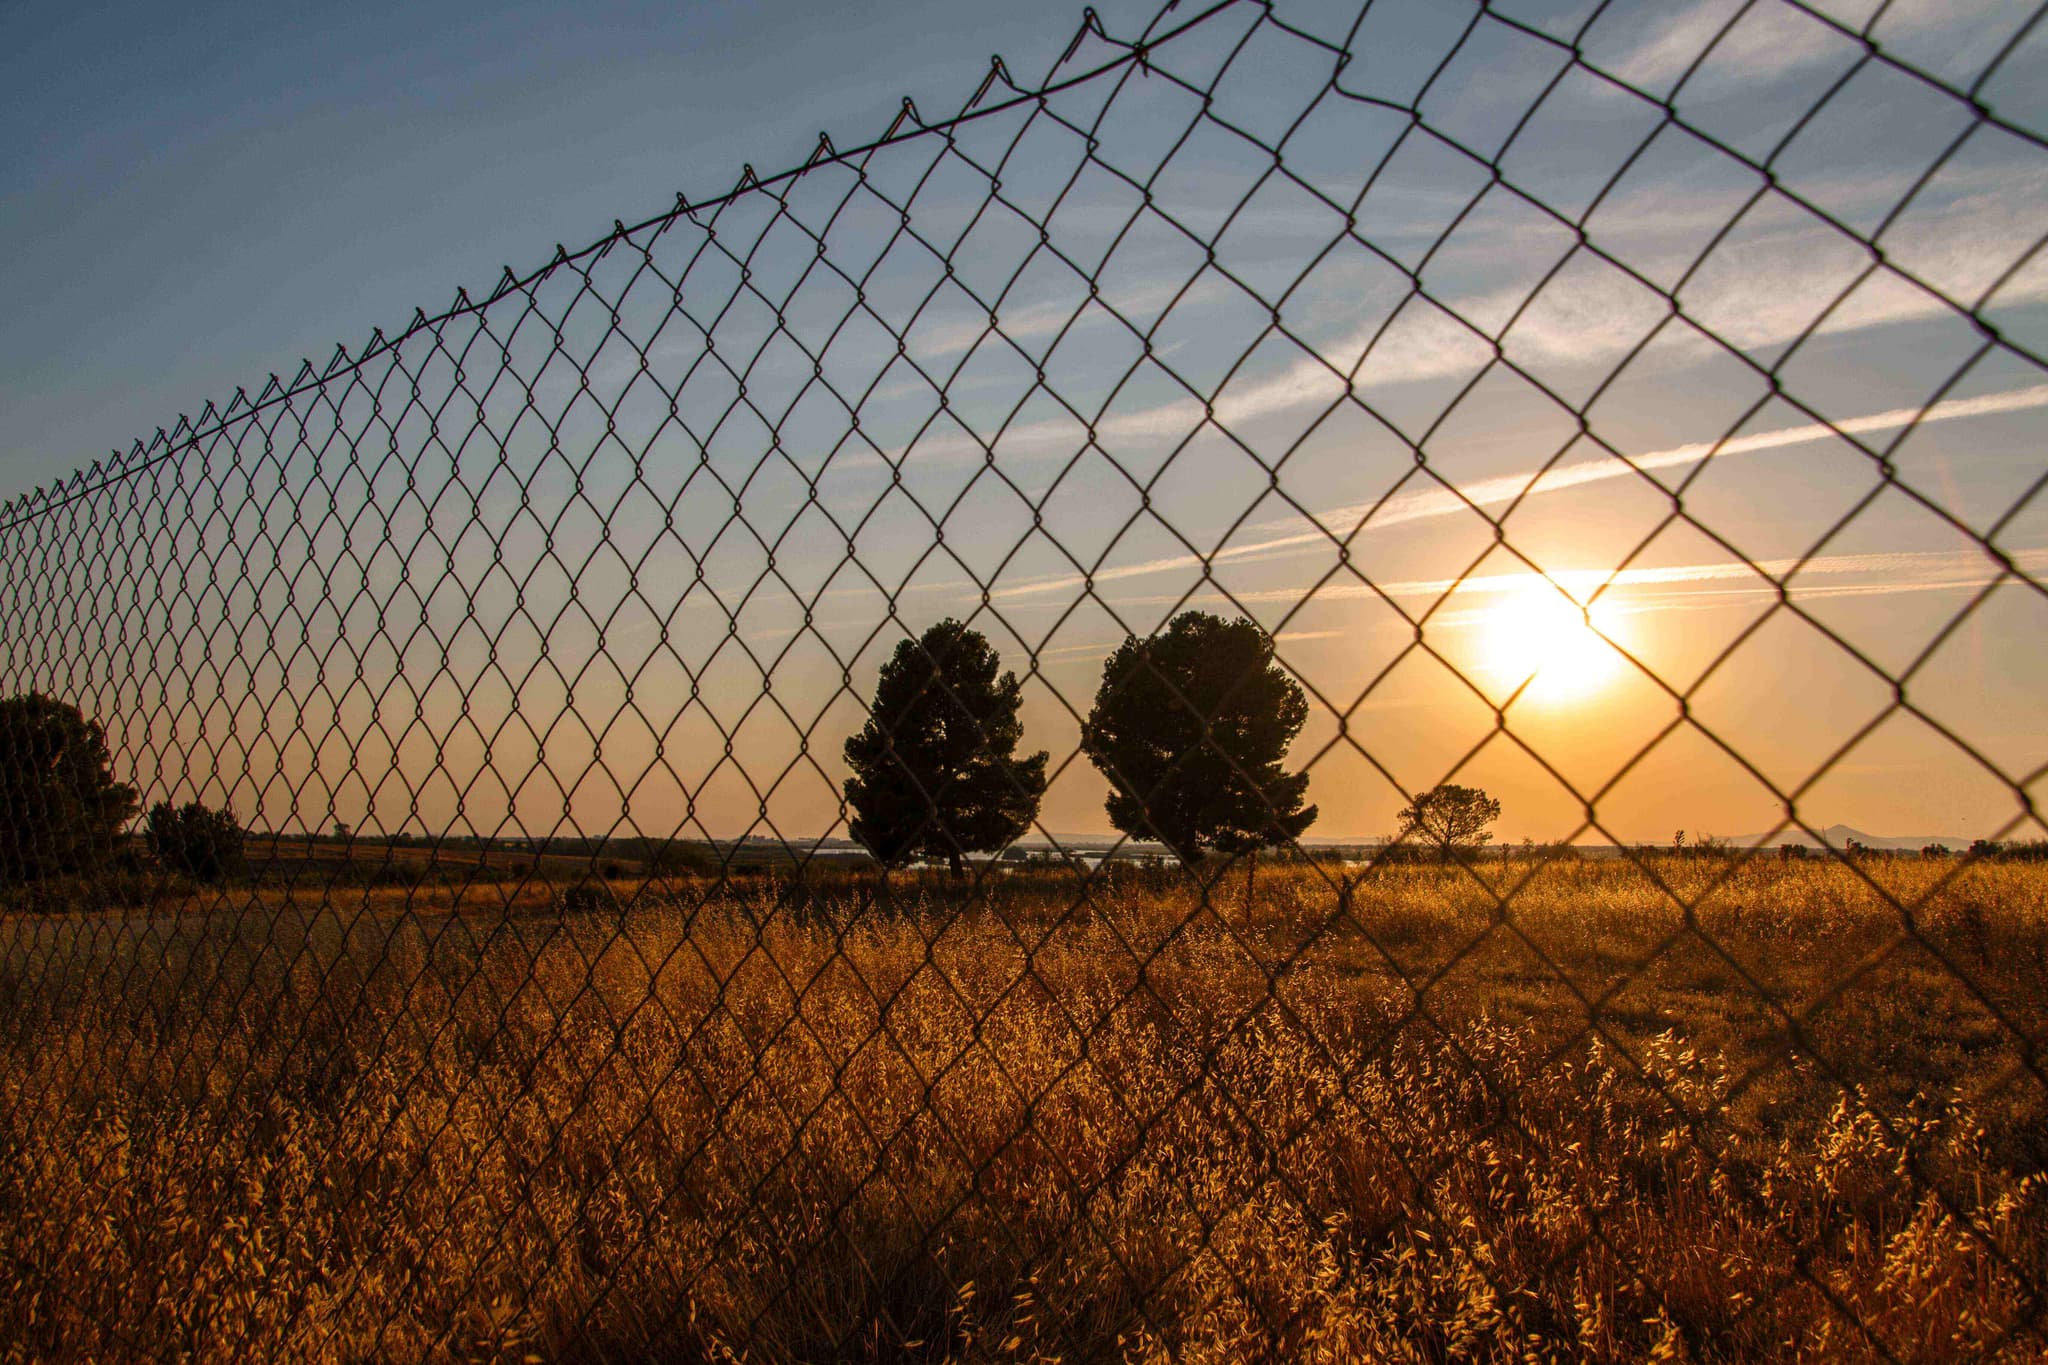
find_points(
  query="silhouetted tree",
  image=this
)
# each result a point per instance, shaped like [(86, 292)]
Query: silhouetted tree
[(60, 808), (935, 771), (1450, 819), (1191, 727), (203, 844)]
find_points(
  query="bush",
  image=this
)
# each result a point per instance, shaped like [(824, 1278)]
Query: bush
[(203, 844), (61, 811), (590, 897)]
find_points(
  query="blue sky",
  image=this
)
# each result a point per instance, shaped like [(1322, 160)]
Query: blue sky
[(193, 196), (1403, 447)]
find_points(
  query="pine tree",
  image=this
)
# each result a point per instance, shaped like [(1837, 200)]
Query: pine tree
[(1191, 727), (935, 771)]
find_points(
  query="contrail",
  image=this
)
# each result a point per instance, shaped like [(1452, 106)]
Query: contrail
[(1913, 570), (1421, 506)]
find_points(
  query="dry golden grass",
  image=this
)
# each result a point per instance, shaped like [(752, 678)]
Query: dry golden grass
[(468, 1126)]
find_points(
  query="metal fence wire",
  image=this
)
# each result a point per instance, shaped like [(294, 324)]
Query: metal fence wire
[(534, 999)]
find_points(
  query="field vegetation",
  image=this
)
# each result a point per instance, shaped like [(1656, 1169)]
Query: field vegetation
[(1524, 1109)]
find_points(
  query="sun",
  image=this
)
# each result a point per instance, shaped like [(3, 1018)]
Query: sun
[(1539, 637)]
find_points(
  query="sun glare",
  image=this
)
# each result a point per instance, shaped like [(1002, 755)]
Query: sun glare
[(1540, 637)]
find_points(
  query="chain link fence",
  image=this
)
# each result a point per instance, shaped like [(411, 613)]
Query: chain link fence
[(1622, 410)]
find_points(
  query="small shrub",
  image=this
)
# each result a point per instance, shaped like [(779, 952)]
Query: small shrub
[(590, 897), (203, 844)]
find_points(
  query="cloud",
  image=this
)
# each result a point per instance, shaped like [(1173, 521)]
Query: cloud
[(1673, 587), (1429, 504), (1647, 589), (1771, 41), (1442, 502), (1893, 571), (1048, 316), (1766, 286)]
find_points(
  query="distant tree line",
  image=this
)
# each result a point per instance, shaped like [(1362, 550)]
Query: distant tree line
[(1994, 850), (1190, 726)]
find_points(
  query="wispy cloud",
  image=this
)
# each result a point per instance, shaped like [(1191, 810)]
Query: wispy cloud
[(1442, 502), (1895, 571), (1021, 322), (1280, 539), (1475, 601), (1765, 287), (1772, 41)]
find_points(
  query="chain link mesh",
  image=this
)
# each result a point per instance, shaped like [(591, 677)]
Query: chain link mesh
[(547, 1010)]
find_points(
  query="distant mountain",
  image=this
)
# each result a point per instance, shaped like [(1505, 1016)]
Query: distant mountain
[(1838, 836)]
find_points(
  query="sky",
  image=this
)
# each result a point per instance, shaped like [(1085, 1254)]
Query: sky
[(194, 196), (1419, 404)]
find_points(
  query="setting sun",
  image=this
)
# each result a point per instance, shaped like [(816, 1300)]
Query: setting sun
[(1539, 637)]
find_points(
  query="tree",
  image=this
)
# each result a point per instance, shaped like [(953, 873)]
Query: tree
[(203, 844), (60, 808), (1191, 727), (935, 771), (1450, 819)]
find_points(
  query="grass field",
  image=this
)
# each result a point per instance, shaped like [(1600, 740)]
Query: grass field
[(1055, 1119)]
